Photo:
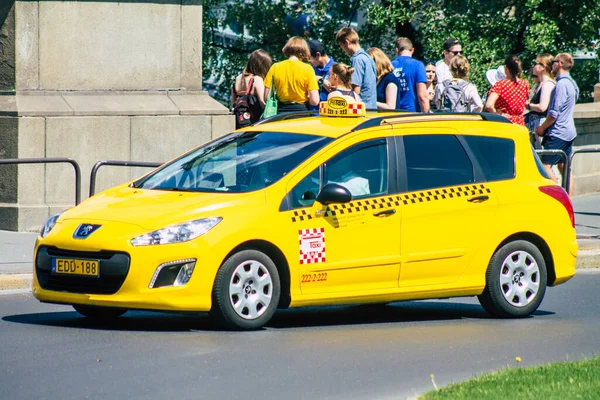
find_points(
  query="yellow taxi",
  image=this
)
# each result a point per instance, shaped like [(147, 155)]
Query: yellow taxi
[(344, 207)]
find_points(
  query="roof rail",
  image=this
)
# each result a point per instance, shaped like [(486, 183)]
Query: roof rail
[(378, 120), (288, 115)]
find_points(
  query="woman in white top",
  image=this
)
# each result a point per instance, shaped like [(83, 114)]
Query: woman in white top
[(460, 68), (340, 76)]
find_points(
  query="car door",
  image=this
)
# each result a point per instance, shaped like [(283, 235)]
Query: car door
[(353, 246), (446, 209)]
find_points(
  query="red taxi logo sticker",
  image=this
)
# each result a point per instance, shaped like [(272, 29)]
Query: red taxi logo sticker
[(312, 245)]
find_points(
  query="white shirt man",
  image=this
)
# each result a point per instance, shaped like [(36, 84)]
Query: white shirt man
[(452, 47)]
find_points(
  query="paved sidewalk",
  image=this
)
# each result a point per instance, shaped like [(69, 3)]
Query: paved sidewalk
[(16, 248)]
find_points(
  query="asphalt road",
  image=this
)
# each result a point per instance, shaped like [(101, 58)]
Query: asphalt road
[(365, 352)]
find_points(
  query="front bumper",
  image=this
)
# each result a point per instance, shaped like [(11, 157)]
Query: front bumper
[(125, 276)]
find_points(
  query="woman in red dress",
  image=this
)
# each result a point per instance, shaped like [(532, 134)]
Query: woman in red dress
[(509, 96)]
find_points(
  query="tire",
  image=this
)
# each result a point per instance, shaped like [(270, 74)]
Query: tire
[(99, 313), (246, 291), (515, 281)]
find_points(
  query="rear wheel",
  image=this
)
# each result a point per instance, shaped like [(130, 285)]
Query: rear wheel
[(246, 291), (515, 281), (99, 313)]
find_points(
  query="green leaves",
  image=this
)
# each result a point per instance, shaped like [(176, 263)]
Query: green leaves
[(489, 30)]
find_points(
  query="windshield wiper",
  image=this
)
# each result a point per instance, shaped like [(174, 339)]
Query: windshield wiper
[(174, 189)]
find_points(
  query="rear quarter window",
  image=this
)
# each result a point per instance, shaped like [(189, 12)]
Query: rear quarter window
[(539, 165), (496, 156)]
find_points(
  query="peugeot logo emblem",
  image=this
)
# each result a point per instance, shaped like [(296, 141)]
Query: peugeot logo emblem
[(85, 230)]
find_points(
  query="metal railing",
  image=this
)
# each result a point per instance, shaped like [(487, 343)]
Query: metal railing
[(577, 151), (118, 164), (566, 178), (51, 160)]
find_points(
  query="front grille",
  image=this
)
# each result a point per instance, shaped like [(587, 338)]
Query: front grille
[(114, 267)]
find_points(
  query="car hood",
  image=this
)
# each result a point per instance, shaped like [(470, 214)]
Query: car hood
[(151, 209)]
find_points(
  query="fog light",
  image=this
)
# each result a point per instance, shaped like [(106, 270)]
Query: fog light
[(173, 273), (185, 273)]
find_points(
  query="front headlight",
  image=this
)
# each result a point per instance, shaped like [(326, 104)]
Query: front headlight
[(177, 233), (49, 224)]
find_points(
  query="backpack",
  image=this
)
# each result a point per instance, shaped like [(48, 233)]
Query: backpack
[(246, 108), (454, 97)]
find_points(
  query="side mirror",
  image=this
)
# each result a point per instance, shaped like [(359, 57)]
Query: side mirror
[(334, 193)]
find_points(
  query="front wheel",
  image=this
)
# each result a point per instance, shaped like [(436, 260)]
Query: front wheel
[(99, 313), (515, 281), (246, 291)]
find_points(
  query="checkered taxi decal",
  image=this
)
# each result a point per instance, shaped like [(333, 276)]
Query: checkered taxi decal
[(355, 108), (323, 107), (312, 245), (395, 201)]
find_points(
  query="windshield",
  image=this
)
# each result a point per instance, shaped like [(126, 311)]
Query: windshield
[(237, 163)]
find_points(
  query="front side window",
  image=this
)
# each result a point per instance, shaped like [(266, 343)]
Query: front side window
[(306, 191), (362, 169), (434, 161), (237, 163)]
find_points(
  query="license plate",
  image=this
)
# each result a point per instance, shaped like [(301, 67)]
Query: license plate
[(69, 266)]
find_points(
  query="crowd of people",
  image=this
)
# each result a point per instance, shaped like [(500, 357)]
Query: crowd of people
[(308, 75)]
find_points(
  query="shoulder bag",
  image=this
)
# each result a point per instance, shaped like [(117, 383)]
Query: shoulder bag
[(271, 102)]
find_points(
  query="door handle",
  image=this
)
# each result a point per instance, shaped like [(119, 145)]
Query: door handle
[(478, 199), (384, 213)]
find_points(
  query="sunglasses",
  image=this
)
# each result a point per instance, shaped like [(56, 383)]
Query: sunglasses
[(457, 52), (430, 72), (555, 61), (538, 63)]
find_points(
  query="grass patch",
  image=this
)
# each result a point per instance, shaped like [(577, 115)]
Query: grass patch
[(565, 380)]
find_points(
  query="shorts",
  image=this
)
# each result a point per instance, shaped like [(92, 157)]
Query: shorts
[(283, 107), (554, 143)]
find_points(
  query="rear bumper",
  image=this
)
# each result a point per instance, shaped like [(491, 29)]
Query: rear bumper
[(564, 263)]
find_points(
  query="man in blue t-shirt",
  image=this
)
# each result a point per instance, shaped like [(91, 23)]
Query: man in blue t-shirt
[(412, 92), (321, 63), (364, 77)]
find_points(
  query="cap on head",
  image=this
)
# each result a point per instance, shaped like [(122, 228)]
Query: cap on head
[(316, 47), (449, 43)]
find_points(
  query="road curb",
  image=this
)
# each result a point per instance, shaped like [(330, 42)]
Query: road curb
[(588, 259), (15, 281)]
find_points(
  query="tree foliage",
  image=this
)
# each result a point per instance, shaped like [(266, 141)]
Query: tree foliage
[(488, 29)]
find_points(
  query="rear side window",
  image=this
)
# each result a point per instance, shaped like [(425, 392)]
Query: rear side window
[(539, 165), (496, 156), (434, 161)]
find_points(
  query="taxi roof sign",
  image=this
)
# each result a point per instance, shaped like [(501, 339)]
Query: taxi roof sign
[(340, 107)]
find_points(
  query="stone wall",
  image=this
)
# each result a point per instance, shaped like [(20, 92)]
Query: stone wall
[(109, 45), (96, 80), (7, 45), (31, 193), (586, 167)]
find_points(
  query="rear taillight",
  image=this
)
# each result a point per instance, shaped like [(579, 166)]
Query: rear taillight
[(558, 193)]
